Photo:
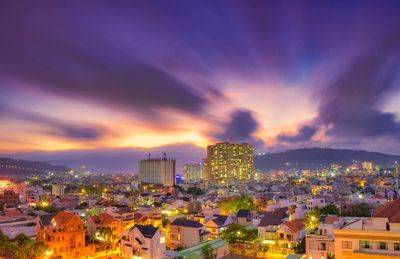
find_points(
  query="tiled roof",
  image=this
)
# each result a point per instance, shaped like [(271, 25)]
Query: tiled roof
[(243, 213), (219, 219), (186, 223), (63, 218), (295, 225), (390, 210), (269, 221), (103, 218), (280, 212), (46, 219), (147, 231)]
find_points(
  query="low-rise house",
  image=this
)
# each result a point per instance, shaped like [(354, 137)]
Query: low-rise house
[(244, 217), (104, 226), (268, 227), (186, 233), (143, 241), (217, 224), (291, 232)]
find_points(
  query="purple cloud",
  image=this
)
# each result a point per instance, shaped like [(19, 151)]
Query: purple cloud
[(305, 133)]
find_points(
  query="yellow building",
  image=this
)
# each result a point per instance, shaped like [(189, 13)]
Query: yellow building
[(228, 162), (367, 166), (378, 237)]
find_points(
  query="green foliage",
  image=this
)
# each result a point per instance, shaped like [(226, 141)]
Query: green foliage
[(312, 219), (207, 251), (195, 191), (361, 210), (82, 205), (300, 247), (165, 222), (330, 209), (240, 203), (48, 209), (23, 247), (237, 233), (157, 204)]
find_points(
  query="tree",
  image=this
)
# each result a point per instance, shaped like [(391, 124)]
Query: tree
[(330, 209), (312, 219), (23, 247), (300, 247), (207, 251), (231, 206), (361, 210), (237, 233)]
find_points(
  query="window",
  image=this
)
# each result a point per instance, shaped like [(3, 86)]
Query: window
[(396, 246), (322, 246), (346, 245), (382, 246), (366, 244)]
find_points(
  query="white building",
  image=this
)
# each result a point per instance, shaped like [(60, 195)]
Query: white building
[(157, 171), (143, 241)]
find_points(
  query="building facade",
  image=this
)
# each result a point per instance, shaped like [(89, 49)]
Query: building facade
[(143, 241), (193, 172), (64, 234), (157, 171), (57, 189), (228, 163)]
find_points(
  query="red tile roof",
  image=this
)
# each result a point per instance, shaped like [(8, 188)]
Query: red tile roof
[(390, 210), (295, 225)]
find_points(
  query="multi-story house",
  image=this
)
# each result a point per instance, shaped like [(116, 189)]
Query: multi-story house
[(186, 233), (104, 227), (125, 215), (376, 237), (143, 241), (217, 224), (291, 232), (321, 244), (64, 234)]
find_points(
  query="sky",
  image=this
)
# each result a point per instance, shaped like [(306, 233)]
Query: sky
[(103, 82)]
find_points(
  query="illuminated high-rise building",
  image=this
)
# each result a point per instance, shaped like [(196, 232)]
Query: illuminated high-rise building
[(193, 172), (82, 169), (157, 171), (228, 162), (367, 165)]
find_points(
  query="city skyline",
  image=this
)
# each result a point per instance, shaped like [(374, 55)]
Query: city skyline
[(99, 80)]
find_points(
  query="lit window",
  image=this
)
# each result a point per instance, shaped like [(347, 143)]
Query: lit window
[(396, 246)]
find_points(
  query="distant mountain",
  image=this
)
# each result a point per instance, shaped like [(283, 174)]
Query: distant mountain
[(10, 167), (312, 158)]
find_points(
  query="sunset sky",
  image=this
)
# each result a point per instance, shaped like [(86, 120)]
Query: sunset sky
[(92, 80)]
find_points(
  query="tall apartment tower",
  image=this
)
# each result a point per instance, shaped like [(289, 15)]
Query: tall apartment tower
[(228, 163), (157, 171), (193, 172)]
